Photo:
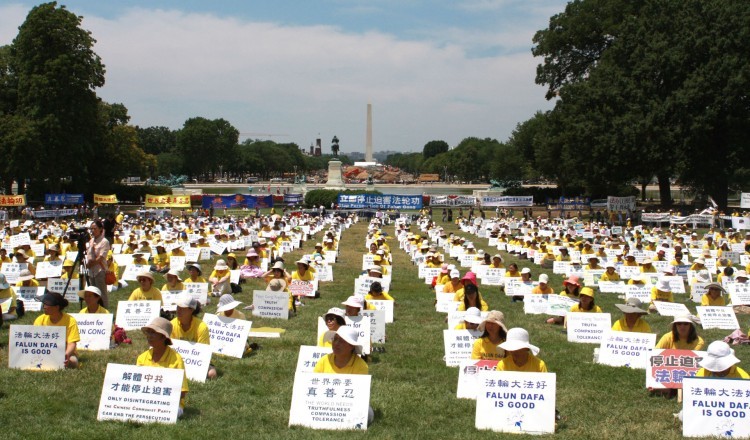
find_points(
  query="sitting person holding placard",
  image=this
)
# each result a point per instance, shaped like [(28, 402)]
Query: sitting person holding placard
[(494, 333), (471, 321), (455, 284), (188, 327), (661, 292), (683, 336), (196, 273), (334, 319), (520, 354), (586, 302), (543, 287), (219, 279), (146, 290), (472, 298), (345, 358), (174, 282), (720, 362), (631, 321), (376, 294), (26, 279), (92, 297), (713, 296), (158, 333), (53, 304), (6, 291), (610, 274)]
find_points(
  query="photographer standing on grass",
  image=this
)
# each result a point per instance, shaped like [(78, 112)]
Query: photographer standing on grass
[(96, 259)]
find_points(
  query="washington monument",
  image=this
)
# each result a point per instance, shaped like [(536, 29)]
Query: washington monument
[(368, 139)]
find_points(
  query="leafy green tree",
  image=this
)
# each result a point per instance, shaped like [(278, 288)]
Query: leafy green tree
[(157, 140), (433, 148), (205, 145)]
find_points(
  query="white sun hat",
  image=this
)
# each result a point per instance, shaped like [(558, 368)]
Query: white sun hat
[(518, 339), (719, 357)]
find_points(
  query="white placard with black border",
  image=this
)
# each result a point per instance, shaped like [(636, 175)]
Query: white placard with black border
[(36, 348)]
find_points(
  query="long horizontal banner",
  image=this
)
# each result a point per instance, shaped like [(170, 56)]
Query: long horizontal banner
[(63, 199), (377, 201), (453, 200), (11, 200), (236, 201), (660, 217), (103, 199), (153, 201), (568, 203), (508, 201), (54, 213), (293, 199)]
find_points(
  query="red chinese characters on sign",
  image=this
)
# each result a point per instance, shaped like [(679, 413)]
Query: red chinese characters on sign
[(668, 368)]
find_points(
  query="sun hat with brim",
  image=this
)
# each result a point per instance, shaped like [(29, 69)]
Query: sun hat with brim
[(444, 268), (3, 282), (22, 253), (145, 274), (646, 261), (93, 289), (544, 278), (588, 291), (276, 285), (251, 253), (498, 256), (302, 261), (699, 261), (354, 301), (186, 301), (336, 311), (350, 335), (473, 315), (574, 280), (278, 265), (684, 318), (162, 326), (525, 270), (25, 275), (470, 277), (175, 273), (715, 286), (632, 305), (226, 303), (518, 339), (495, 316), (375, 269), (719, 357), (455, 273), (221, 265), (663, 286), (195, 266)]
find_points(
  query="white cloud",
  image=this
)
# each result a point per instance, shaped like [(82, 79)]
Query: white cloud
[(167, 66)]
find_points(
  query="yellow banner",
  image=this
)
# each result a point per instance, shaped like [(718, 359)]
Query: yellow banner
[(12, 200), (100, 199), (167, 201)]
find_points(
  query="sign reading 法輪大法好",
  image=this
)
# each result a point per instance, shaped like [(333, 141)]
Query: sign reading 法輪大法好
[(516, 402)]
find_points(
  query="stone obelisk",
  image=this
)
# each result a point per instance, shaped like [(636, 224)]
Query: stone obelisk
[(368, 140)]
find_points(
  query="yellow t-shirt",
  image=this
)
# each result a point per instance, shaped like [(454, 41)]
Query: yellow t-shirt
[(576, 308), (236, 314), (640, 326), (67, 321), (308, 276), (734, 373), (179, 286), (538, 290), (99, 311), (487, 350), (533, 365), (153, 294), (707, 301), (170, 359), (484, 307), (355, 366), (9, 293), (607, 277), (384, 297), (658, 295), (667, 341), (198, 331)]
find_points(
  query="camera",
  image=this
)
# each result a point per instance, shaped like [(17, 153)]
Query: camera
[(79, 235)]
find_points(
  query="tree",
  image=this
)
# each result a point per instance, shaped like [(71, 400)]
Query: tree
[(157, 140), (433, 148), (206, 145), (57, 72)]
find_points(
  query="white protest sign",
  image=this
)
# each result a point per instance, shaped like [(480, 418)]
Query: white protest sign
[(169, 299), (385, 305), (628, 272), (33, 347), (468, 376), (718, 317), (123, 260), (669, 367), (134, 315), (48, 269), (671, 309), (327, 401), (177, 262), (535, 304), (309, 356), (612, 286), (228, 335), (367, 261), (132, 270), (362, 325), (588, 328), (716, 408), (560, 267), (204, 253), (628, 349), (11, 271), (217, 247), (196, 357), (140, 394), (192, 254), (740, 293), (269, 304), (493, 277), (302, 288), (31, 297), (558, 305), (377, 325), (324, 273), (643, 293), (458, 345), (516, 402), (676, 283), (95, 330), (198, 291)]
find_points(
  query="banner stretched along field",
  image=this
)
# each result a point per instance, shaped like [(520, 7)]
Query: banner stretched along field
[(508, 201), (236, 201), (51, 213), (377, 201), (453, 200), (12, 200), (153, 201), (63, 199), (103, 199)]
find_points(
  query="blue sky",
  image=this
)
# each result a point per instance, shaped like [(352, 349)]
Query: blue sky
[(306, 69)]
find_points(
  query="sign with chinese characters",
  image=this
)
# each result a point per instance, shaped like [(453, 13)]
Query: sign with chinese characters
[(134, 315), (508, 201), (195, 356), (132, 270), (535, 304), (100, 199), (626, 349), (715, 408), (14, 200), (140, 394), (198, 291), (34, 347), (228, 335), (48, 269), (384, 305), (169, 201), (302, 288), (588, 328), (377, 325), (269, 304), (63, 199), (12, 270), (330, 401), (718, 317), (516, 402), (468, 376), (380, 201), (31, 297), (458, 345), (309, 356), (740, 293), (95, 330), (668, 368)]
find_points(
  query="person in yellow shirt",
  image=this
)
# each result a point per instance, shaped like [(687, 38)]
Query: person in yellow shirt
[(497, 262), (631, 321), (219, 278), (376, 293), (345, 358), (455, 284), (543, 288), (472, 298), (158, 335), (92, 297), (334, 319), (146, 290), (720, 362), (520, 354), (174, 282), (444, 275), (53, 305), (161, 260), (26, 279), (494, 333), (610, 274), (593, 263), (587, 303), (471, 321), (196, 273), (683, 335), (714, 295), (661, 292), (186, 326), (6, 292)]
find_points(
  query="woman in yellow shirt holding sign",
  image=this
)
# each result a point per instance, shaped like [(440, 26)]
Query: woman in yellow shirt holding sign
[(683, 336), (494, 333), (188, 327), (53, 304), (520, 354), (720, 362), (631, 321), (146, 291), (159, 354), (345, 358), (92, 296)]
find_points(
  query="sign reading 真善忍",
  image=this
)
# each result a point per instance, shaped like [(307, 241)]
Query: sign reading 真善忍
[(330, 401)]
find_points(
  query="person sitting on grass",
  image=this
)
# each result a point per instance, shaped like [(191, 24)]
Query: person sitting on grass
[(334, 319), (188, 327), (494, 333), (6, 292), (146, 290), (632, 320), (683, 335), (720, 362), (713, 295), (520, 354), (53, 305), (472, 298), (471, 321), (174, 282), (92, 297), (196, 273), (376, 294)]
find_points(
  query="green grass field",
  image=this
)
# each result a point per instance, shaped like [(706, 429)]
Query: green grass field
[(413, 392)]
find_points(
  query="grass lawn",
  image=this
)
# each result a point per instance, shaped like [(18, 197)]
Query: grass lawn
[(413, 392)]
